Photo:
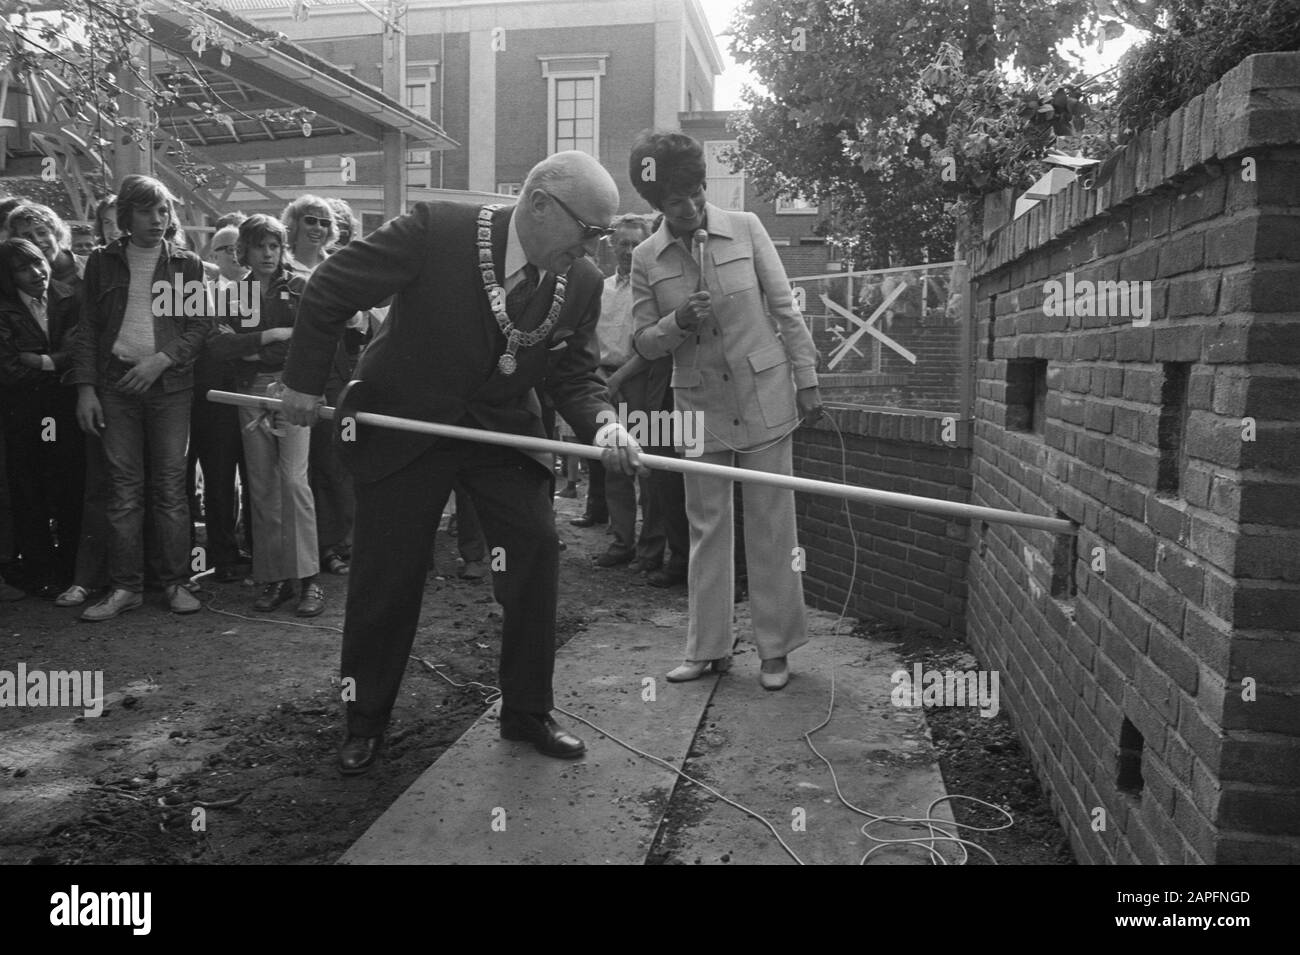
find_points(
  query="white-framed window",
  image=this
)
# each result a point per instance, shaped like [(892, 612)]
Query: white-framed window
[(573, 101), (725, 189), (421, 83)]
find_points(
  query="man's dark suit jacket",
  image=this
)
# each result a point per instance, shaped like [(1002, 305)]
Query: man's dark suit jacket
[(435, 356)]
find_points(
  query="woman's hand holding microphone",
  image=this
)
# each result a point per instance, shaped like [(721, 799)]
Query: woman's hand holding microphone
[(692, 313)]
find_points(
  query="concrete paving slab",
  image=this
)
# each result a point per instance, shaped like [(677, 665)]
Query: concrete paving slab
[(751, 748), (491, 801), (487, 800)]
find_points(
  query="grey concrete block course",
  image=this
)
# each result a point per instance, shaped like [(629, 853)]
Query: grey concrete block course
[(607, 807), (751, 747), (602, 808)]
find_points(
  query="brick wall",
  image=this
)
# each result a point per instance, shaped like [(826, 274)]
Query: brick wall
[(1160, 689), (932, 383), (626, 97), (911, 566)]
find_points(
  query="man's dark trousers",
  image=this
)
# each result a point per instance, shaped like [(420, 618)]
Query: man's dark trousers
[(390, 555), (216, 441)]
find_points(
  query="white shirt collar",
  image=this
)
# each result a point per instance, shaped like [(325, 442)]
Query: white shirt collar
[(516, 259), (32, 303)]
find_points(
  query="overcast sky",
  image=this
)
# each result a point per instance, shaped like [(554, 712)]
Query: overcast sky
[(726, 89)]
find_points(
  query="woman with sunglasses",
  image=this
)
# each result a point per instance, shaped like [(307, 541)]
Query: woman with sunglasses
[(310, 224)]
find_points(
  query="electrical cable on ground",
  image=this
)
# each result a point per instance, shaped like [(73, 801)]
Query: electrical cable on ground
[(938, 828)]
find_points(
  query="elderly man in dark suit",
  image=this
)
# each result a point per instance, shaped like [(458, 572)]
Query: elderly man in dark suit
[(489, 303)]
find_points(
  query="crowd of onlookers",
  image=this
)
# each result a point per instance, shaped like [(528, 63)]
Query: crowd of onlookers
[(110, 452), (111, 456)]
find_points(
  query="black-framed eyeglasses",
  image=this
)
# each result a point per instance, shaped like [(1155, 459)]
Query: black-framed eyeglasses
[(589, 232), (316, 220)]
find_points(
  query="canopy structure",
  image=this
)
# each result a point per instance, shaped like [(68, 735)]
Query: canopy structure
[(226, 74)]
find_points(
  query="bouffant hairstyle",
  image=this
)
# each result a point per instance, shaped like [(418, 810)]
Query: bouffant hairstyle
[(141, 192), (256, 229), (34, 212), (303, 205), (677, 166), (15, 253)]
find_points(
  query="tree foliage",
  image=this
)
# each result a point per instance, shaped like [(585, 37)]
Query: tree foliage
[(888, 111), (1202, 41)]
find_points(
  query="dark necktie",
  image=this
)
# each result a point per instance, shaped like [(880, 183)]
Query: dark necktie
[(517, 298)]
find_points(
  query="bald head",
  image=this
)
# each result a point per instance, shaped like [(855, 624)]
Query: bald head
[(572, 174), (563, 194)]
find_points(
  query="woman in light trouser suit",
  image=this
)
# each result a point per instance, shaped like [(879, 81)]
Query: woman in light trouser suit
[(744, 364)]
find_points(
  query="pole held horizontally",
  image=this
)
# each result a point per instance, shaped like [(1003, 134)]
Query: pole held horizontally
[(522, 442)]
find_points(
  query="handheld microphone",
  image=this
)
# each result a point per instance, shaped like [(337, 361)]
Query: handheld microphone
[(699, 238)]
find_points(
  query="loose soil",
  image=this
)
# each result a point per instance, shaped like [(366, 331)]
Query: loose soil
[(217, 741)]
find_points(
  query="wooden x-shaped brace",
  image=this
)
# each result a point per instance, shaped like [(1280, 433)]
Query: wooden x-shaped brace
[(867, 327)]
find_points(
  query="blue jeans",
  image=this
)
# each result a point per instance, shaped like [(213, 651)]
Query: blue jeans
[(158, 424)]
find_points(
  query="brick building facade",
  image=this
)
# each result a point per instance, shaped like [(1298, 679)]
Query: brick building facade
[(512, 81)]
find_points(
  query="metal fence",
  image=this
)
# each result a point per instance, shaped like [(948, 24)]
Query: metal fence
[(898, 338)]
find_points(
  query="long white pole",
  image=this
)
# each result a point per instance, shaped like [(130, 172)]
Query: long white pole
[(852, 492)]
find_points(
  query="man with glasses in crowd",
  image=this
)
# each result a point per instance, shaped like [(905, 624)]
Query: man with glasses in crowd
[(489, 303)]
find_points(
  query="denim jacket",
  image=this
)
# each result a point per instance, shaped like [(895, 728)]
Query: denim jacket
[(104, 294)]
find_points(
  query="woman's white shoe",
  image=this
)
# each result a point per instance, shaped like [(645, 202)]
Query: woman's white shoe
[(777, 679), (694, 669)]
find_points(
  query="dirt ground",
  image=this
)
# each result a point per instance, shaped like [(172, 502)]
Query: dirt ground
[(217, 740)]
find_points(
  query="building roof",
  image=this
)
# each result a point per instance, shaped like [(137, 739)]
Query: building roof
[(267, 71)]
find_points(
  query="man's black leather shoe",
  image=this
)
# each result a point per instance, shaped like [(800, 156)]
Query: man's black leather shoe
[(543, 732), (357, 754), (587, 521), (666, 578)]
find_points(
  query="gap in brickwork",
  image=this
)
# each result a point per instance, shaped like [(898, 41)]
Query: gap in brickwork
[(1026, 394), (1172, 426), (1063, 582), (1130, 759)]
